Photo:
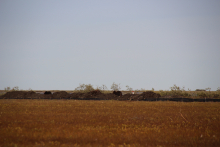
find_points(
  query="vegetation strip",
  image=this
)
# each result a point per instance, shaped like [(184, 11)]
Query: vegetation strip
[(149, 99)]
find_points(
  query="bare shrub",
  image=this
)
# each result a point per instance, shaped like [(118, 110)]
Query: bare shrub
[(164, 93), (84, 88), (129, 88), (115, 87), (16, 88)]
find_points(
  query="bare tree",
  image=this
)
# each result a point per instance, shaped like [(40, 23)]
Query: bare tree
[(104, 87), (84, 88), (7, 89), (115, 87), (129, 88), (208, 89)]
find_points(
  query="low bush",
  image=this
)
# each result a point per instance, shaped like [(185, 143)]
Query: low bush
[(164, 93), (7, 89), (216, 95), (84, 88), (202, 95), (115, 87)]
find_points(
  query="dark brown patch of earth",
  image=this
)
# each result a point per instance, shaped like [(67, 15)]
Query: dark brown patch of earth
[(92, 94), (98, 95), (61, 94), (20, 95)]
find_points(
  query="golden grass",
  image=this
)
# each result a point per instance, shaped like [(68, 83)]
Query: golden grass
[(108, 123)]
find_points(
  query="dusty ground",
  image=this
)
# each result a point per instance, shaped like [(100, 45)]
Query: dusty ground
[(108, 123)]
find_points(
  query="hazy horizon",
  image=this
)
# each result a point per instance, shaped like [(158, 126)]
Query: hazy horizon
[(57, 45)]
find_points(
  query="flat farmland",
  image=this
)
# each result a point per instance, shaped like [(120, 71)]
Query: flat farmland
[(108, 123)]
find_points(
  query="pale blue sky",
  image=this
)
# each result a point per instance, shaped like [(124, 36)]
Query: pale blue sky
[(56, 45)]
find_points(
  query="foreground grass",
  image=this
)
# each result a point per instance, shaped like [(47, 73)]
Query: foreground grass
[(108, 123)]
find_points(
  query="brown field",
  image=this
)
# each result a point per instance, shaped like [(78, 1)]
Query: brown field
[(108, 123)]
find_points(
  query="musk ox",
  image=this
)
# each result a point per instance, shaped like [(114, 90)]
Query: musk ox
[(118, 93), (47, 92)]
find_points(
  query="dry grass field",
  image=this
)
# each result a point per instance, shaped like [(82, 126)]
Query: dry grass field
[(108, 123)]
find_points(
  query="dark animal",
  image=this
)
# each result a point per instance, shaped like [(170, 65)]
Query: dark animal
[(47, 92), (118, 93)]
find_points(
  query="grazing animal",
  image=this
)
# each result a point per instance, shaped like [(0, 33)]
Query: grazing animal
[(47, 92), (118, 93)]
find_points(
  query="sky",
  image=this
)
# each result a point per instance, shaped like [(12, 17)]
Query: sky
[(57, 45)]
